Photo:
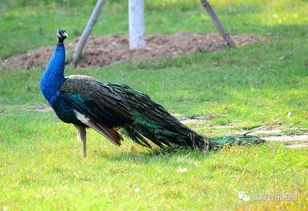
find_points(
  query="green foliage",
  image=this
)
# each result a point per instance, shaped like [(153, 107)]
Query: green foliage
[(40, 160)]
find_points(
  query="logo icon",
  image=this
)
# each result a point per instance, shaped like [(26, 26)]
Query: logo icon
[(243, 196)]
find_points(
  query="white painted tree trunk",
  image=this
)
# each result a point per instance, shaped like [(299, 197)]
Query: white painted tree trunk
[(136, 24), (88, 29)]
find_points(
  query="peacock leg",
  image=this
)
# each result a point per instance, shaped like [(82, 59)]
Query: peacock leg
[(82, 135)]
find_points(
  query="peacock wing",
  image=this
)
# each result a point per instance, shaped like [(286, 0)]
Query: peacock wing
[(96, 105), (152, 121)]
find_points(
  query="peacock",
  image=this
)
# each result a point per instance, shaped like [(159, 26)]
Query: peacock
[(113, 109)]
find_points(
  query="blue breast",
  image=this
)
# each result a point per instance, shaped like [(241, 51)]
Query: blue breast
[(64, 111)]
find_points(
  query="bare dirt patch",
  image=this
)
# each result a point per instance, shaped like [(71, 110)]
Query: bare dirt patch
[(297, 145), (291, 137), (39, 108), (4, 112), (196, 119), (268, 133), (113, 48)]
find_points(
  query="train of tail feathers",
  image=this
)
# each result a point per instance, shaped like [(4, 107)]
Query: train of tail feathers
[(110, 107)]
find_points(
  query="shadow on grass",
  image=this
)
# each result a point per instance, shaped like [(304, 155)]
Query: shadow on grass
[(157, 154), (172, 153)]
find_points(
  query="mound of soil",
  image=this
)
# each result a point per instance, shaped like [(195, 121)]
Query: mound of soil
[(113, 48)]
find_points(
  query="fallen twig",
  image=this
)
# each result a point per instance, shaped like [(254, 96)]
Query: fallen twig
[(287, 56), (253, 130)]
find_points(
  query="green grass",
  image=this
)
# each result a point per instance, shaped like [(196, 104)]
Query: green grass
[(40, 160)]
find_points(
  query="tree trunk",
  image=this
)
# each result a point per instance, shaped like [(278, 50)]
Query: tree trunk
[(217, 23), (85, 34), (136, 24)]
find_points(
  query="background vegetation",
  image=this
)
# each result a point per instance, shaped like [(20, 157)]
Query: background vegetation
[(40, 160)]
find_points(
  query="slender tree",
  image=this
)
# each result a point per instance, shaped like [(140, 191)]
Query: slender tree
[(86, 32), (217, 23)]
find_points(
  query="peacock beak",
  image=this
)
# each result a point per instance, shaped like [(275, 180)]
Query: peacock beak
[(65, 34)]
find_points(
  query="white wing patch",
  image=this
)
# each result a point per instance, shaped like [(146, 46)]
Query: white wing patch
[(82, 118), (101, 130)]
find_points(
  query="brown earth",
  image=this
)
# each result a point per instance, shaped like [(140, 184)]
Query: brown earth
[(113, 48)]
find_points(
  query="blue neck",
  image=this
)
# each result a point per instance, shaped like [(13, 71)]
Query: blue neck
[(53, 76)]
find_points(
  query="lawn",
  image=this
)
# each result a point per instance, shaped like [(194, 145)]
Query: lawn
[(263, 84)]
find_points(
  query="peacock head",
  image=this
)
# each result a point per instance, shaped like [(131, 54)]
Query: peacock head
[(61, 35)]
